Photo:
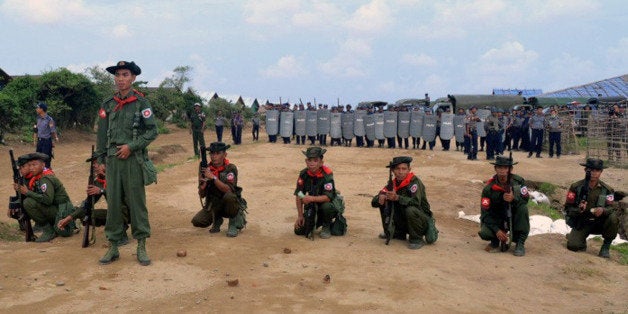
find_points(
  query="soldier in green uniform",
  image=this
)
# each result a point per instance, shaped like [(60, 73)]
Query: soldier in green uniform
[(97, 189), (408, 205), (126, 126), (223, 197), (46, 200), (197, 127), (504, 199), (589, 210), (315, 187)]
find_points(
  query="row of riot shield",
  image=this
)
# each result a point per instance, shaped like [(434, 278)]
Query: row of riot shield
[(376, 126)]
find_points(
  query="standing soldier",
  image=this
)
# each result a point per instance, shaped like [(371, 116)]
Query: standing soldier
[(554, 126), (44, 131), (471, 133), (507, 120), (197, 127), (219, 125), (589, 210), (516, 128), (504, 209), (255, 130), (537, 123), (125, 128), (492, 127), (238, 124)]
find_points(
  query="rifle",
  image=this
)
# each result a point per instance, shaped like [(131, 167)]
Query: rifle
[(584, 195), (389, 224), (201, 168), (88, 206), (16, 207), (508, 223), (310, 211)]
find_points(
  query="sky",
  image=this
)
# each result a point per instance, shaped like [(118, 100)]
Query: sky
[(324, 51)]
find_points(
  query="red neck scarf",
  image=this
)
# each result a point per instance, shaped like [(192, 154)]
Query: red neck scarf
[(405, 182), (103, 182), (496, 185), (217, 170), (121, 102), (320, 173), (46, 172)]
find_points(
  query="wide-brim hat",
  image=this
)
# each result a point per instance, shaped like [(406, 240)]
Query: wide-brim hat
[(503, 161), (218, 147), (22, 160), (313, 152), (35, 156), (594, 163), (399, 160), (131, 66)]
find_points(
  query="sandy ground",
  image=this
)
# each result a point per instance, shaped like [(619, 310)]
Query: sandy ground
[(453, 275)]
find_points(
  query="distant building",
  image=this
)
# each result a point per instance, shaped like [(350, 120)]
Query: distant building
[(615, 87)]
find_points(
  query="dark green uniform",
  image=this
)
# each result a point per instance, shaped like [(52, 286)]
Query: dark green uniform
[(412, 213), (47, 202), (133, 124), (584, 223), (321, 183), (219, 205), (494, 218), (99, 216), (197, 119)]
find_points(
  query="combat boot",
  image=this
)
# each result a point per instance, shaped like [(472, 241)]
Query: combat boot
[(493, 247), (325, 232), (519, 249), (605, 250), (216, 225), (124, 240), (111, 255), (232, 232), (49, 234), (142, 257), (416, 244)]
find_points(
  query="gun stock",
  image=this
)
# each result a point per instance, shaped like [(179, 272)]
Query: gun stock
[(508, 222), (16, 206), (88, 206), (309, 214)]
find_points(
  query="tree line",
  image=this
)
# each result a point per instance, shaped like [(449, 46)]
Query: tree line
[(73, 99)]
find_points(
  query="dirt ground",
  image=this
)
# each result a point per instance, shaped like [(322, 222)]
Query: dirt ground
[(453, 275)]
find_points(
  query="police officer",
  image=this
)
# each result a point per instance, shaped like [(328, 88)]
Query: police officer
[(219, 125), (537, 124), (126, 126), (255, 130), (554, 125), (197, 127), (44, 131), (471, 133), (492, 127)]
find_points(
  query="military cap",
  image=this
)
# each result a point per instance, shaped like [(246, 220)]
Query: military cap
[(399, 160), (22, 160), (131, 66), (197, 104), (42, 106), (313, 152), (35, 156), (504, 161), (594, 163), (218, 147)]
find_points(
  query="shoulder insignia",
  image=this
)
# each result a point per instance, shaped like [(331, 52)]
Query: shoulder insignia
[(44, 187), (524, 190), (485, 203), (610, 198), (329, 186), (300, 182), (230, 177), (102, 113), (147, 113), (414, 188), (571, 197)]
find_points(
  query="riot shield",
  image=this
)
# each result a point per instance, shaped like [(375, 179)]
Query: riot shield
[(272, 122), (324, 122), (335, 128), (287, 123), (358, 123), (403, 124), (429, 127), (482, 114), (347, 125), (446, 126), (300, 117), (416, 123), (459, 128), (390, 124), (369, 127), (379, 125), (311, 123)]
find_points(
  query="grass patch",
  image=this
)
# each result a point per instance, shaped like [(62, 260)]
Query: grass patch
[(545, 210), (10, 232), (547, 188), (622, 249), (162, 167)]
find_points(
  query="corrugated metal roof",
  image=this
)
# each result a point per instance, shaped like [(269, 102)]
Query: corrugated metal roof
[(516, 91), (612, 87)]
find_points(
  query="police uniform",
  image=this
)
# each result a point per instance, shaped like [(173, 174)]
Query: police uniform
[(197, 121), (554, 126), (494, 215), (126, 120), (537, 124), (45, 129), (471, 136), (492, 126), (47, 202), (218, 204), (584, 223)]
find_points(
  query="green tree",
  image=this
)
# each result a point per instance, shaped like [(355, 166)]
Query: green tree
[(17, 104)]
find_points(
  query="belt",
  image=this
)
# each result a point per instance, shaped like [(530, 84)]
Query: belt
[(41, 139)]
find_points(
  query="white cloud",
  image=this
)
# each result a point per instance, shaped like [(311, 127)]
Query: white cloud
[(46, 11), (269, 12), (286, 66), (418, 60), (569, 70), (543, 10), (373, 17), (319, 15), (348, 61), (120, 31), (617, 56)]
